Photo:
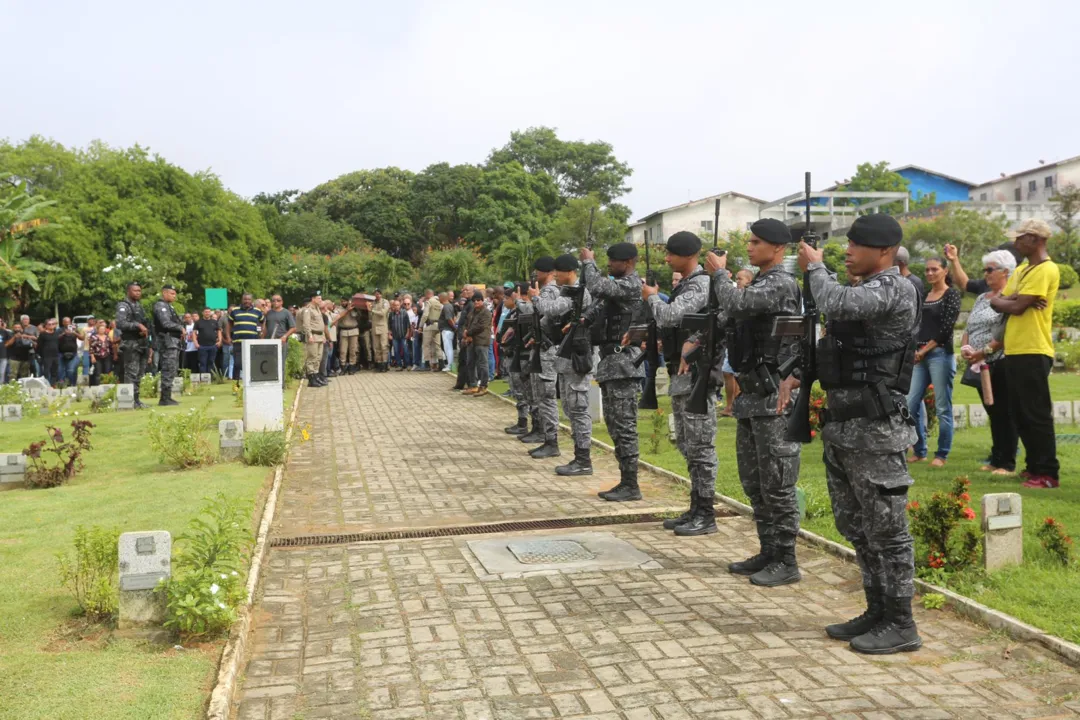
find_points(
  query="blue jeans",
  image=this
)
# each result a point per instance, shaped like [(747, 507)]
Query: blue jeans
[(400, 352), (491, 362), (207, 355), (69, 369), (417, 350), (937, 368), (226, 360)]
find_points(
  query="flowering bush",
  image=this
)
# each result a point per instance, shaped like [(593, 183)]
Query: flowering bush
[(934, 523), (181, 439), (1055, 540), (930, 408), (207, 586), (42, 474), (817, 404)]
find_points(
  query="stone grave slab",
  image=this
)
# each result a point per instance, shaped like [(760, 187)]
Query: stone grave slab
[(205, 378), (145, 560), (231, 439), (959, 416), (12, 470), (178, 386), (1063, 412), (11, 413), (1003, 530), (977, 416), (125, 396), (36, 387)]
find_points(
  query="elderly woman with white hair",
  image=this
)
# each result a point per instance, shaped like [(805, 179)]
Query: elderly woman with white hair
[(982, 345)]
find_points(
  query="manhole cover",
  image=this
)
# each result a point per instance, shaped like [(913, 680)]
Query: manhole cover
[(535, 552)]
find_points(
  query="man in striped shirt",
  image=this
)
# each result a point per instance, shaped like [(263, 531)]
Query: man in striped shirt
[(245, 323)]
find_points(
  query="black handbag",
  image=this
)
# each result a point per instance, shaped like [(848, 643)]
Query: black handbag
[(971, 378)]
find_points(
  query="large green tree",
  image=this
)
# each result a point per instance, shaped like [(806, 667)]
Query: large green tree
[(972, 232), (571, 224), (1065, 245), (877, 177), (439, 201), (510, 202), (578, 168)]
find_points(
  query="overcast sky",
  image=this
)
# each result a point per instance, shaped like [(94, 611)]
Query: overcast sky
[(698, 97)]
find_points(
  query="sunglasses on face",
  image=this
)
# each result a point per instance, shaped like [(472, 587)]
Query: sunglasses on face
[(988, 270)]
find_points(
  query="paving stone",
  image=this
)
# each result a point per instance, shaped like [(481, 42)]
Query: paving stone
[(416, 629)]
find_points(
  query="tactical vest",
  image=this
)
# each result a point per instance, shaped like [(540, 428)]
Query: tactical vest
[(135, 314), (850, 356), (674, 337), (614, 322)]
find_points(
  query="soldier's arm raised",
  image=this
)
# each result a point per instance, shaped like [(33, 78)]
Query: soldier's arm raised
[(756, 298), (690, 300)]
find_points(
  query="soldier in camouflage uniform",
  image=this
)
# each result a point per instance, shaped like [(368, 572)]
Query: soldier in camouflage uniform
[(617, 302), (575, 373), (167, 333), (524, 315), (864, 364), (543, 383), (134, 337), (768, 463), (514, 360), (695, 434)]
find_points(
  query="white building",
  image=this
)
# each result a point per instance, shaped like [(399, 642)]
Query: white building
[(737, 212), (1037, 185)]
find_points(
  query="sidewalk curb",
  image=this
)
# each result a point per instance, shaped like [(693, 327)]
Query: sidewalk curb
[(964, 606), (232, 656)]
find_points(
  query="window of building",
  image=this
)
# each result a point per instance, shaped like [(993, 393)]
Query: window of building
[(1049, 182), (1032, 185), (982, 197), (1016, 194), (706, 225), (646, 234)]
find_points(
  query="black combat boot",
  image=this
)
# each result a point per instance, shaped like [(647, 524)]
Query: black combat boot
[(166, 397), (314, 381), (137, 405), (536, 435), (875, 611), (782, 570), (672, 523), (627, 490), (550, 448), (521, 428), (580, 465), (702, 523), (758, 562), (895, 633)]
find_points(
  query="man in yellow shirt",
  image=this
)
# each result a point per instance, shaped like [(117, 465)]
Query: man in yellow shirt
[(1028, 301)]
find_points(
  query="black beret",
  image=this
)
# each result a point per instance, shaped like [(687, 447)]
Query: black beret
[(167, 287), (544, 264), (879, 230), (378, 290), (566, 263), (772, 231), (622, 251), (478, 296), (684, 244)]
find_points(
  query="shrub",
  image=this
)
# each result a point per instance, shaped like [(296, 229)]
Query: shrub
[(817, 404), (206, 589), (238, 394), (657, 430), (43, 474), (1055, 541), (1069, 353), (264, 448), (185, 373), (105, 403), (1067, 313), (181, 439), (91, 574), (149, 386), (294, 359), (933, 601), (109, 379), (218, 378), (12, 394), (1067, 277), (934, 523)]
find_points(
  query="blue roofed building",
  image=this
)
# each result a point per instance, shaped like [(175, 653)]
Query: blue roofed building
[(923, 182)]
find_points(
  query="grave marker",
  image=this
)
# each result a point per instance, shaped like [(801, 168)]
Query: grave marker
[(125, 396), (1003, 530), (264, 399), (1063, 412), (178, 386), (959, 416), (11, 413), (231, 438), (977, 416), (12, 470), (145, 560)]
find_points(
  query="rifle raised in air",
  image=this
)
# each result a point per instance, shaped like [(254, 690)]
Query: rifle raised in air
[(704, 357), (652, 348), (577, 295), (805, 326)]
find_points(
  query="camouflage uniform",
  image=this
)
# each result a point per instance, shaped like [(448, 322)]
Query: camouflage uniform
[(619, 378), (768, 463), (573, 387), (543, 384), (167, 333), (864, 458), (524, 314), (695, 434), (133, 345)]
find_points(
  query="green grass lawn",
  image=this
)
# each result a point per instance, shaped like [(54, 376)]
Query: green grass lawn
[(51, 665), (1037, 592)]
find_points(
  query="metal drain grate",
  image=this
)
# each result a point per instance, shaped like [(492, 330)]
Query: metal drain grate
[(484, 529)]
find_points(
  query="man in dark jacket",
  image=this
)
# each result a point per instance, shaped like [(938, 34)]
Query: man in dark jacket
[(167, 332), (477, 335)]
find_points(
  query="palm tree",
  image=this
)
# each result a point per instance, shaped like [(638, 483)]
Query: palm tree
[(514, 258), (19, 273), (386, 272)]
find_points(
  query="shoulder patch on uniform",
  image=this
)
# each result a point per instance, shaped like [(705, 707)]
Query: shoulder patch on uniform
[(872, 284)]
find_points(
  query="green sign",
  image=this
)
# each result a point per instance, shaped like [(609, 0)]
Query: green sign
[(217, 298)]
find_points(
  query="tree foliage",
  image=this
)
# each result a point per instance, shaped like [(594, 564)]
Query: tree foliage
[(1065, 245), (452, 268), (972, 232), (877, 177)]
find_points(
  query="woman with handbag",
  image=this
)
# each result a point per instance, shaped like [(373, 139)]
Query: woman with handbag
[(935, 362), (982, 348)]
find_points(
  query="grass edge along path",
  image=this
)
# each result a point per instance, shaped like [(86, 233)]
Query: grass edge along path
[(55, 665), (1039, 592)]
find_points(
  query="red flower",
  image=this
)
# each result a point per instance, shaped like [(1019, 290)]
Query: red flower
[(969, 513), (1051, 521), (965, 497), (913, 505), (813, 433), (936, 560)]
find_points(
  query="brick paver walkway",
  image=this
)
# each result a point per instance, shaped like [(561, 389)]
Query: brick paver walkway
[(408, 629)]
